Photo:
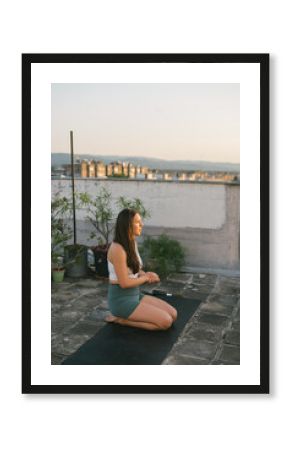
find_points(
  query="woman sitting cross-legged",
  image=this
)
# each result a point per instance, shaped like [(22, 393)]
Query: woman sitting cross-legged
[(127, 305)]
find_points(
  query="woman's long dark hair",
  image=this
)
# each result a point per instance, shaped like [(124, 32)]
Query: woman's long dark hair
[(125, 237)]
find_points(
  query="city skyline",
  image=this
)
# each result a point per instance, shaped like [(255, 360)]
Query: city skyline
[(164, 121)]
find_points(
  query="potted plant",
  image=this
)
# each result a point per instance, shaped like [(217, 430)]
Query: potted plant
[(60, 234), (163, 255), (100, 214), (58, 269), (75, 260)]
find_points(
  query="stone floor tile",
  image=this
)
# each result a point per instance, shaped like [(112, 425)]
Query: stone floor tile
[(69, 343), (236, 325), (170, 287), (87, 327), (89, 283), (232, 337), (193, 294), (195, 348), (185, 360), (70, 315), (202, 288), (229, 290), (88, 302), (57, 359), (237, 314), (212, 319), (56, 287), (207, 278), (180, 277), (229, 281), (62, 296), (230, 354), (98, 314), (224, 299), (216, 307), (55, 309), (59, 325), (203, 333), (225, 363)]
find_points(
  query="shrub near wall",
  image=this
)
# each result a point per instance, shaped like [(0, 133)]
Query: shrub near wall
[(162, 255)]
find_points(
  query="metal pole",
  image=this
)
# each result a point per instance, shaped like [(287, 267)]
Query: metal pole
[(73, 185)]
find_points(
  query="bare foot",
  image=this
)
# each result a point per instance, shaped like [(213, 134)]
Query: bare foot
[(110, 318)]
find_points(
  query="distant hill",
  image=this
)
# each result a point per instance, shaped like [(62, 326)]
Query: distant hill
[(58, 159)]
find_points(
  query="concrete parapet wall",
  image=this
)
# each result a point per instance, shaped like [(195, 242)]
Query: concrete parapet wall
[(204, 217)]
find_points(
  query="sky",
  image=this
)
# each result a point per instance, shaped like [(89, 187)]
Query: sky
[(178, 121)]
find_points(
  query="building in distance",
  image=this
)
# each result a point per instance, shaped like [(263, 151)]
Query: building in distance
[(128, 170)]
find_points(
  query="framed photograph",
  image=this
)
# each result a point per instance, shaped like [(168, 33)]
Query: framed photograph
[(145, 223)]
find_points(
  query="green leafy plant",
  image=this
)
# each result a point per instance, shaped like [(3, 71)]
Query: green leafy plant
[(101, 215), (61, 232), (62, 254), (136, 204), (162, 255)]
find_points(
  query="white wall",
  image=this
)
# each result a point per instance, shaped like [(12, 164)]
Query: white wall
[(171, 204), (203, 217)]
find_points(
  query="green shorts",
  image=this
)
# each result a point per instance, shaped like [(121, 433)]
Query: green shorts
[(122, 302)]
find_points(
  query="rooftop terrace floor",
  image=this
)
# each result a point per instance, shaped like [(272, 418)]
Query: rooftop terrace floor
[(211, 335)]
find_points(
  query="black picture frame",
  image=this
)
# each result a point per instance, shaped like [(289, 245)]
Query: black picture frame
[(247, 58)]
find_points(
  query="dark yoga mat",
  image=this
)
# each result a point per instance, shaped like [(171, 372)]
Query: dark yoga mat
[(118, 344)]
